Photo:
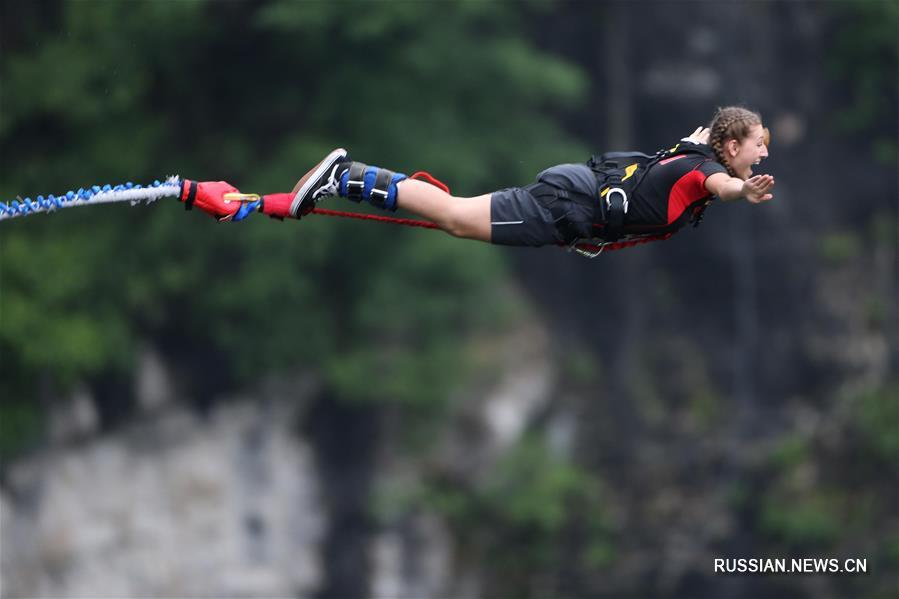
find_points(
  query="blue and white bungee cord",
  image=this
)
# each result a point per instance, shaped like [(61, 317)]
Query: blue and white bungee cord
[(129, 192)]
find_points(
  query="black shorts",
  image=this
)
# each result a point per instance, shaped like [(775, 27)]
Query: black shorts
[(556, 210)]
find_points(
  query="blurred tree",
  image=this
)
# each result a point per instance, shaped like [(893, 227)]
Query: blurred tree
[(255, 93), (864, 58)]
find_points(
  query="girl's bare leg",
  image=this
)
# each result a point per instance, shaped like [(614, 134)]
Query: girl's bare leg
[(462, 217)]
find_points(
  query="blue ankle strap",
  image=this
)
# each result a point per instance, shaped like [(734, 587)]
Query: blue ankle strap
[(371, 184)]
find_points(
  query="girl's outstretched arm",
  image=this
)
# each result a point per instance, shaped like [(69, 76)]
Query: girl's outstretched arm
[(755, 189)]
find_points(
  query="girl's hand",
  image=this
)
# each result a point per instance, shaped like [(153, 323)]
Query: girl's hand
[(700, 136), (755, 189)]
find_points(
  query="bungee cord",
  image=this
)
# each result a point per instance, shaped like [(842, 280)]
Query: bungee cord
[(127, 192)]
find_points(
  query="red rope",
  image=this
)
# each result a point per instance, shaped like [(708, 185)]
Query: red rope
[(429, 178), (409, 222)]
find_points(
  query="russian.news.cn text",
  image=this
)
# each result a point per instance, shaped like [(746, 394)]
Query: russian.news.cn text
[(806, 565)]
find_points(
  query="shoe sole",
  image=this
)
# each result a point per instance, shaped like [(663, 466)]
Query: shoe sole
[(304, 185)]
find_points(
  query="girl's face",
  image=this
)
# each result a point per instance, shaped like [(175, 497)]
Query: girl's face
[(742, 155)]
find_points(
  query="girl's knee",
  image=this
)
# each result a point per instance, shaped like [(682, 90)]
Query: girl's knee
[(456, 221), (469, 218)]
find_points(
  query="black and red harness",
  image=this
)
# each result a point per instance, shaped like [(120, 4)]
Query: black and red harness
[(619, 175)]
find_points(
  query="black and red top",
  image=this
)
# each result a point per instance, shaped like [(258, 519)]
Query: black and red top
[(665, 192), (670, 192)]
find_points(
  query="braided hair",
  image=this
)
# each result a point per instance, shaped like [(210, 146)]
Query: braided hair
[(731, 122)]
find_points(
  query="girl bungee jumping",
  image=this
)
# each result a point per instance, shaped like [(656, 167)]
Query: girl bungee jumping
[(617, 199)]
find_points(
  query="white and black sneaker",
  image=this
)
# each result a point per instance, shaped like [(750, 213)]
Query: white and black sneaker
[(321, 182)]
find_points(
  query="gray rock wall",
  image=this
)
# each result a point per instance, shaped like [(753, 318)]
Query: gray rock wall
[(175, 506)]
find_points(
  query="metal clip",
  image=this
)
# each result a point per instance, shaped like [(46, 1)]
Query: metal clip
[(355, 188), (240, 197), (587, 253), (609, 196)]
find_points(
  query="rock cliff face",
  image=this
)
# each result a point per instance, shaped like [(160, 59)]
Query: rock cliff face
[(174, 505), (263, 496)]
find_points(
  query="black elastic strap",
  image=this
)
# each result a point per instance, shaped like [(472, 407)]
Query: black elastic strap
[(356, 181), (191, 196), (615, 211), (379, 191)]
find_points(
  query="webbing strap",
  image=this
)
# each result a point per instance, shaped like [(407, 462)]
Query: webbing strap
[(616, 208), (355, 182), (381, 189), (191, 196)]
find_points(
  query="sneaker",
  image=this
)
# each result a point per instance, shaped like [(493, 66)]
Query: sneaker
[(321, 182)]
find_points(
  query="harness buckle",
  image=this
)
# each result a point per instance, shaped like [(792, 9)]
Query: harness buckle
[(616, 190), (354, 188), (381, 194), (355, 184)]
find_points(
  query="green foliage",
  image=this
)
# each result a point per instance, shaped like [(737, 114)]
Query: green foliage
[(706, 407), (796, 510), (791, 453), (548, 508), (892, 550), (255, 94), (532, 488), (876, 313), (864, 57), (877, 419), (458, 90), (840, 247), (806, 522), (56, 317), (883, 229), (415, 355), (581, 368), (20, 426), (739, 494)]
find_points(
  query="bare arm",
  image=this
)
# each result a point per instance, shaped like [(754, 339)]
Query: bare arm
[(755, 189)]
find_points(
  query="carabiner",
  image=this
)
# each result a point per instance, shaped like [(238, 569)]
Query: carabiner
[(587, 253), (240, 197)]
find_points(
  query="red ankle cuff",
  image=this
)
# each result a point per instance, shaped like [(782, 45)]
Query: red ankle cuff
[(277, 205)]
